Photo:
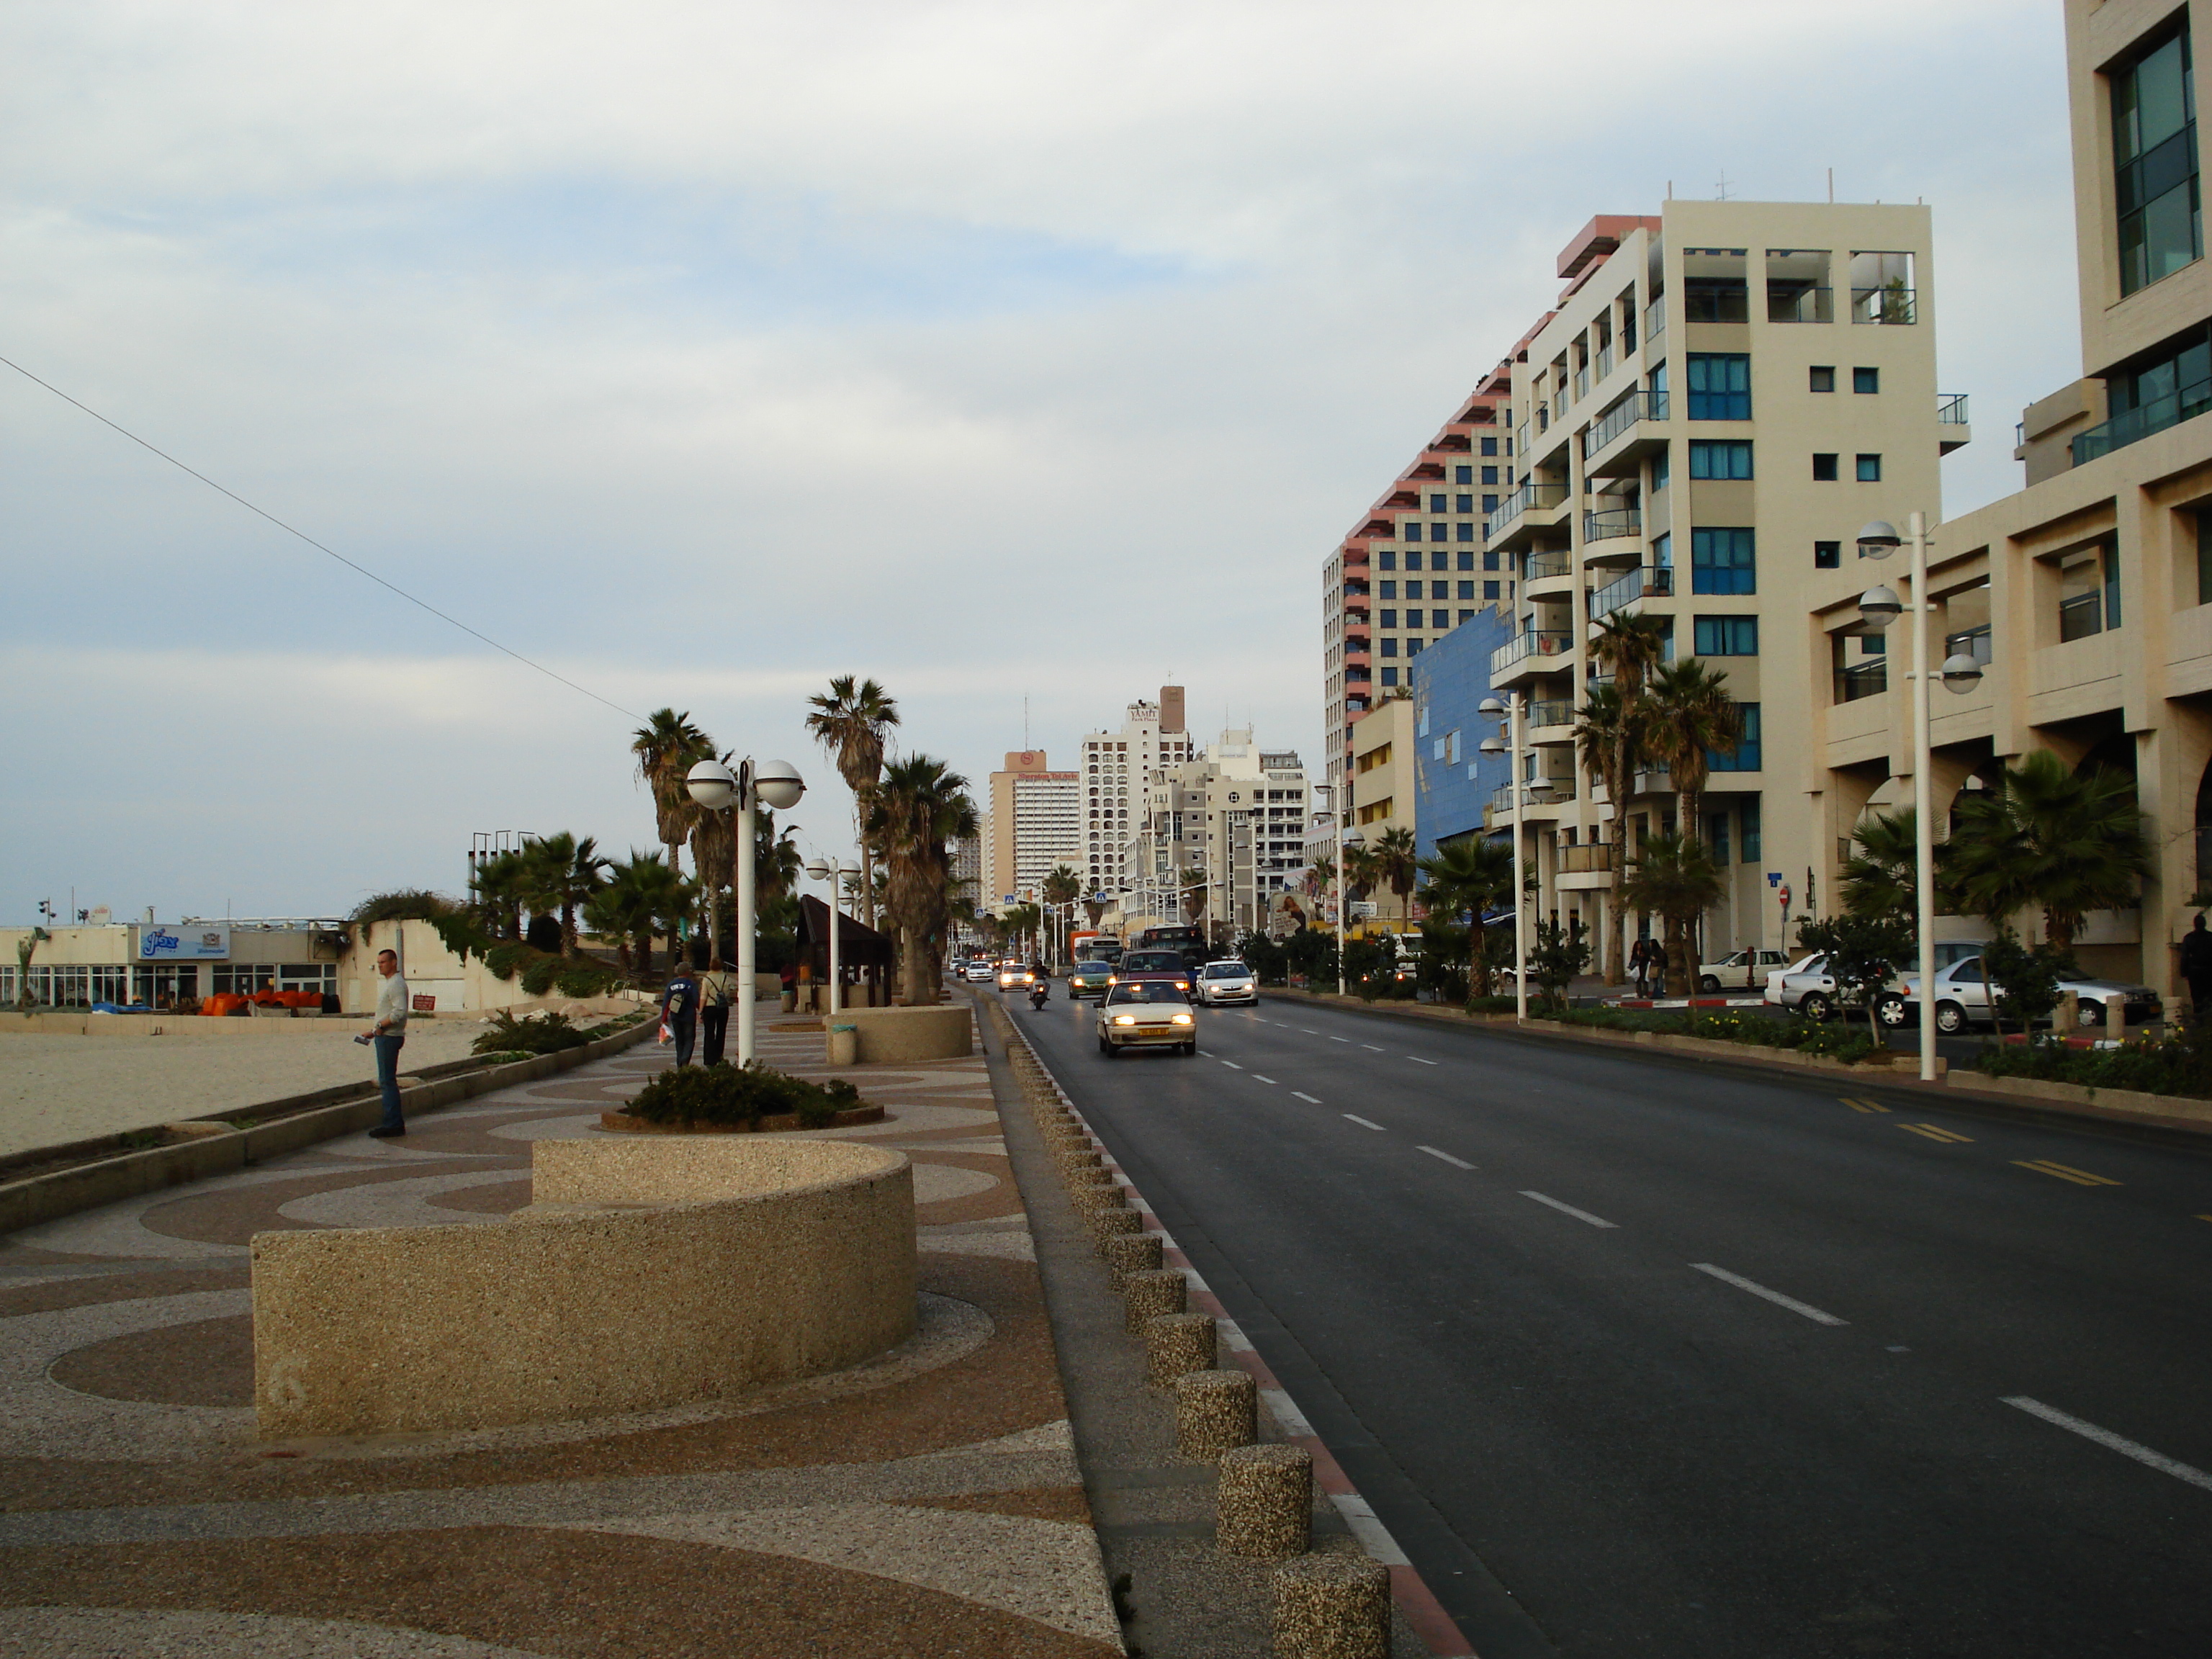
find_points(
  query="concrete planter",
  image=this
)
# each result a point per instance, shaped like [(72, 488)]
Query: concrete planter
[(622, 1123), (943, 1031)]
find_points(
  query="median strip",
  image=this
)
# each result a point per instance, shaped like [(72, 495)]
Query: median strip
[(2111, 1442), (1456, 1162), (1569, 1209), (1776, 1297)]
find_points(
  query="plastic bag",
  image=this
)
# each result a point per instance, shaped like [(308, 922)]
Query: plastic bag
[(666, 1036)]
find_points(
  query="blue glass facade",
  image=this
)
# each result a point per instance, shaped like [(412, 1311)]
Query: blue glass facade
[(1452, 779)]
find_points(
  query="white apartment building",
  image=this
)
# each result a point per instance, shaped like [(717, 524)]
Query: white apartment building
[(1235, 816), (1725, 392), (1115, 767)]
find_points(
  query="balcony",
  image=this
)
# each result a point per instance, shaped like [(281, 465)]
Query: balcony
[(1591, 860), (1504, 527), (1655, 321), (1969, 642), (1954, 431), (1725, 300), (1624, 433), (1581, 383), (1560, 789), (1648, 582), (1553, 562), (2081, 616), (1611, 527), (1549, 714), (2134, 424), (1891, 303), (1604, 362), (1866, 679), (1537, 652), (1786, 302)]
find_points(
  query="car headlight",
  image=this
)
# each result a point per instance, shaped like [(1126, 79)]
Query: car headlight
[(1182, 985), (1112, 979), (1125, 1019), (1179, 1020)]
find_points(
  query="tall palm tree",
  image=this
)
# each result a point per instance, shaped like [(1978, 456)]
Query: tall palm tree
[(628, 904), (1396, 866), (667, 746), (1061, 888), (569, 872), (1628, 645), (1675, 879), (503, 883), (852, 722), (1882, 876), (920, 804), (2069, 842), (1360, 879), (1690, 715), (1470, 877), (1192, 884)]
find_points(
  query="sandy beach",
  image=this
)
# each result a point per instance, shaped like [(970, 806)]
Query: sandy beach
[(55, 1088)]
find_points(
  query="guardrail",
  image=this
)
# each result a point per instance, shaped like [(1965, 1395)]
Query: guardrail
[(1617, 419), (1535, 643), (1612, 524), (1648, 581)]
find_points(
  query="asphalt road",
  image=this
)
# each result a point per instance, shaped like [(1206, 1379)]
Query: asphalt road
[(1637, 1357)]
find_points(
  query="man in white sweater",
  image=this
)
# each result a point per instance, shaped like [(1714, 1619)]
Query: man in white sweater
[(388, 1033)]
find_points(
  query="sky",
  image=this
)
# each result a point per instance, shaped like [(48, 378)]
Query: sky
[(1021, 355)]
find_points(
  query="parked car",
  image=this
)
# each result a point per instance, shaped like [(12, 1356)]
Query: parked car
[(1812, 991), (1745, 970), (1090, 977), (1775, 976), (1146, 1013), (1962, 1000), (1226, 981)]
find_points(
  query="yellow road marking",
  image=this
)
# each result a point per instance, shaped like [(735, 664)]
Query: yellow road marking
[(2204, 1217), (2064, 1172), (1935, 1132), (1862, 1105)]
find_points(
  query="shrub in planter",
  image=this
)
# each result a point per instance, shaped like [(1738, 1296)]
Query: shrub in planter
[(537, 978), (733, 1095), (506, 960), (541, 1034), (587, 980)]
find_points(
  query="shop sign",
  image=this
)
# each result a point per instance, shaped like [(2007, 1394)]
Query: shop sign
[(195, 941)]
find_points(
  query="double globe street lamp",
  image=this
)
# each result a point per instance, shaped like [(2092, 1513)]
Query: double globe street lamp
[(1525, 790), (1960, 673), (775, 784), (833, 871)]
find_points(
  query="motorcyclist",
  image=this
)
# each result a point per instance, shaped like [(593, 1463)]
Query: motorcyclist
[(1040, 990)]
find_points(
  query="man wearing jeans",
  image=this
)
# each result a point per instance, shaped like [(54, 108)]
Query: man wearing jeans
[(388, 1033)]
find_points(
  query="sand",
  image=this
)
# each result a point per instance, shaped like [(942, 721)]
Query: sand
[(57, 1089)]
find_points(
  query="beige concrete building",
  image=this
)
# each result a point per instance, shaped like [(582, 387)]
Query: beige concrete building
[(1237, 816), (1033, 824), (1724, 393), (1383, 791), (2089, 594), (1117, 767)]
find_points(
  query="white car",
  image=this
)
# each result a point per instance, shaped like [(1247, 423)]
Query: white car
[(980, 973), (1812, 991), (1962, 999), (1226, 981), (1775, 977), (1146, 1013), (1745, 970)]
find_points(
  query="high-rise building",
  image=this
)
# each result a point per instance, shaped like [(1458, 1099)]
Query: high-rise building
[(1115, 766), (1228, 823), (1034, 826)]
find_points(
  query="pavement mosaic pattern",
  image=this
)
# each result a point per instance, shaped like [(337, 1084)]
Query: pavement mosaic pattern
[(927, 1503)]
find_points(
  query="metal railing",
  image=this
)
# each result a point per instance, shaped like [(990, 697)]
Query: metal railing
[(1891, 303), (1716, 304), (2134, 424), (1535, 495), (1605, 362), (1611, 526), (1535, 643), (1585, 858), (1617, 419), (1951, 408), (1655, 319), (1650, 581), (1969, 642), (1865, 679), (1555, 713), (1581, 383), (1501, 799), (1788, 303), (1553, 562), (2081, 616)]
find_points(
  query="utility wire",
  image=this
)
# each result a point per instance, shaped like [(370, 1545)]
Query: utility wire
[(288, 530)]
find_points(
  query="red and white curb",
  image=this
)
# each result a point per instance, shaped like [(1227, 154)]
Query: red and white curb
[(1412, 1592)]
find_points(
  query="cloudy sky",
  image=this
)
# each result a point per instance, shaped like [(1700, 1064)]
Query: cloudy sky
[(1003, 351)]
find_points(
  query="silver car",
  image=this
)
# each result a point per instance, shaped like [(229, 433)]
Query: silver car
[(1811, 990), (1226, 981), (1962, 999)]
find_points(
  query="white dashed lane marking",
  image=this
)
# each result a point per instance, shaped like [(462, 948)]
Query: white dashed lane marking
[(1361, 1122), (1372, 1048), (1569, 1209), (1339, 1039), (1456, 1162), (1308, 1099), (1775, 1297), (2111, 1442), (1256, 1078), (1232, 1065), (1418, 1060)]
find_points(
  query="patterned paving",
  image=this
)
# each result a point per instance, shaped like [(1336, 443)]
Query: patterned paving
[(926, 1503)]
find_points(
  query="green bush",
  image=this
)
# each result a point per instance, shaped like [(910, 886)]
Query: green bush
[(506, 960), (2180, 1065), (1733, 1025), (541, 1034), (537, 978), (587, 979), (724, 1094)]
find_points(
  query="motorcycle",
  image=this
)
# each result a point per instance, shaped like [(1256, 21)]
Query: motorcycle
[(1039, 993)]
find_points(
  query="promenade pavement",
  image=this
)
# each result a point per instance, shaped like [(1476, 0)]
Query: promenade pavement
[(926, 1504)]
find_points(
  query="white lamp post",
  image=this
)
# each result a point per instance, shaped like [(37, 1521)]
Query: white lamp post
[(833, 871), (1523, 791), (1879, 607), (773, 784), (1347, 839)]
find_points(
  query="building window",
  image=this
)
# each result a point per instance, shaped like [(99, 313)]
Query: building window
[(1720, 385), (1467, 590), (1389, 619), (1490, 446), (1661, 470), (1464, 504), (1745, 757), (1466, 616), (1490, 590), (1723, 562), (1413, 647), (1827, 555), (1489, 560), (1464, 531), (1390, 647), (1824, 377), (1716, 835), (1824, 469), (1715, 459), (2155, 164), (1462, 475), (1869, 468), (1747, 816), (1440, 620), (1410, 532), (1386, 561), (1390, 675), (1866, 380), (1490, 475), (1414, 591), (1389, 590), (1436, 503), (1727, 636), (1662, 550), (1436, 530), (1467, 561), (1490, 503)]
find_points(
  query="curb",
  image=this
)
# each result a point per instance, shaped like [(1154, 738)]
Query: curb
[(58, 1193), (1414, 1599)]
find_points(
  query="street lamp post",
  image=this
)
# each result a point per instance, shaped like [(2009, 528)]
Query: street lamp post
[(833, 871), (1524, 791), (775, 784), (1960, 673), (1346, 838)]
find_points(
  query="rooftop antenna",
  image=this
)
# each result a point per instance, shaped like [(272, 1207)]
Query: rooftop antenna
[(1832, 186), (1025, 722), (1721, 188)]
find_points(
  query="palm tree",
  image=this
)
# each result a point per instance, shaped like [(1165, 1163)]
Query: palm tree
[(1676, 880), (1192, 884), (852, 722), (569, 872), (667, 747), (501, 888), (1881, 876), (1690, 716), (1629, 645), (2069, 842), (1469, 877), (626, 905), (1360, 877), (920, 804), (1021, 922), (1396, 865), (1061, 888)]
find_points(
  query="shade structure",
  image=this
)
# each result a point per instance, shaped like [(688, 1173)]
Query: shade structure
[(858, 944)]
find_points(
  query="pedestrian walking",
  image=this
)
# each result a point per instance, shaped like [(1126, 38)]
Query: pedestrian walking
[(2197, 968), (679, 1008), (717, 986), (388, 1036), (1639, 963)]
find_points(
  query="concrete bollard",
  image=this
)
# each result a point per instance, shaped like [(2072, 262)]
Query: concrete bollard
[(1216, 1411), (1108, 1224), (1332, 1607), (1263, 1502), (843, 1047), (1178, 1343), (1090, 1186), (1131, 1253), (1146, 1295), (1074, 1159)]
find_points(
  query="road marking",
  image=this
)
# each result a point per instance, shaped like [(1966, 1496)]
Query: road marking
[(1232, 1065), (1339, 1039), (1363, 1123), (1456, 1162), (1256, 1078), (2066, 1172), (1418, 1060), (1936, 1131), (2111, 1442), (1308, 1098), (1309, 1030), (1775, 1297), (1863, 1105), (2204, 1217), (1569, 1209), (1371, 1047)]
